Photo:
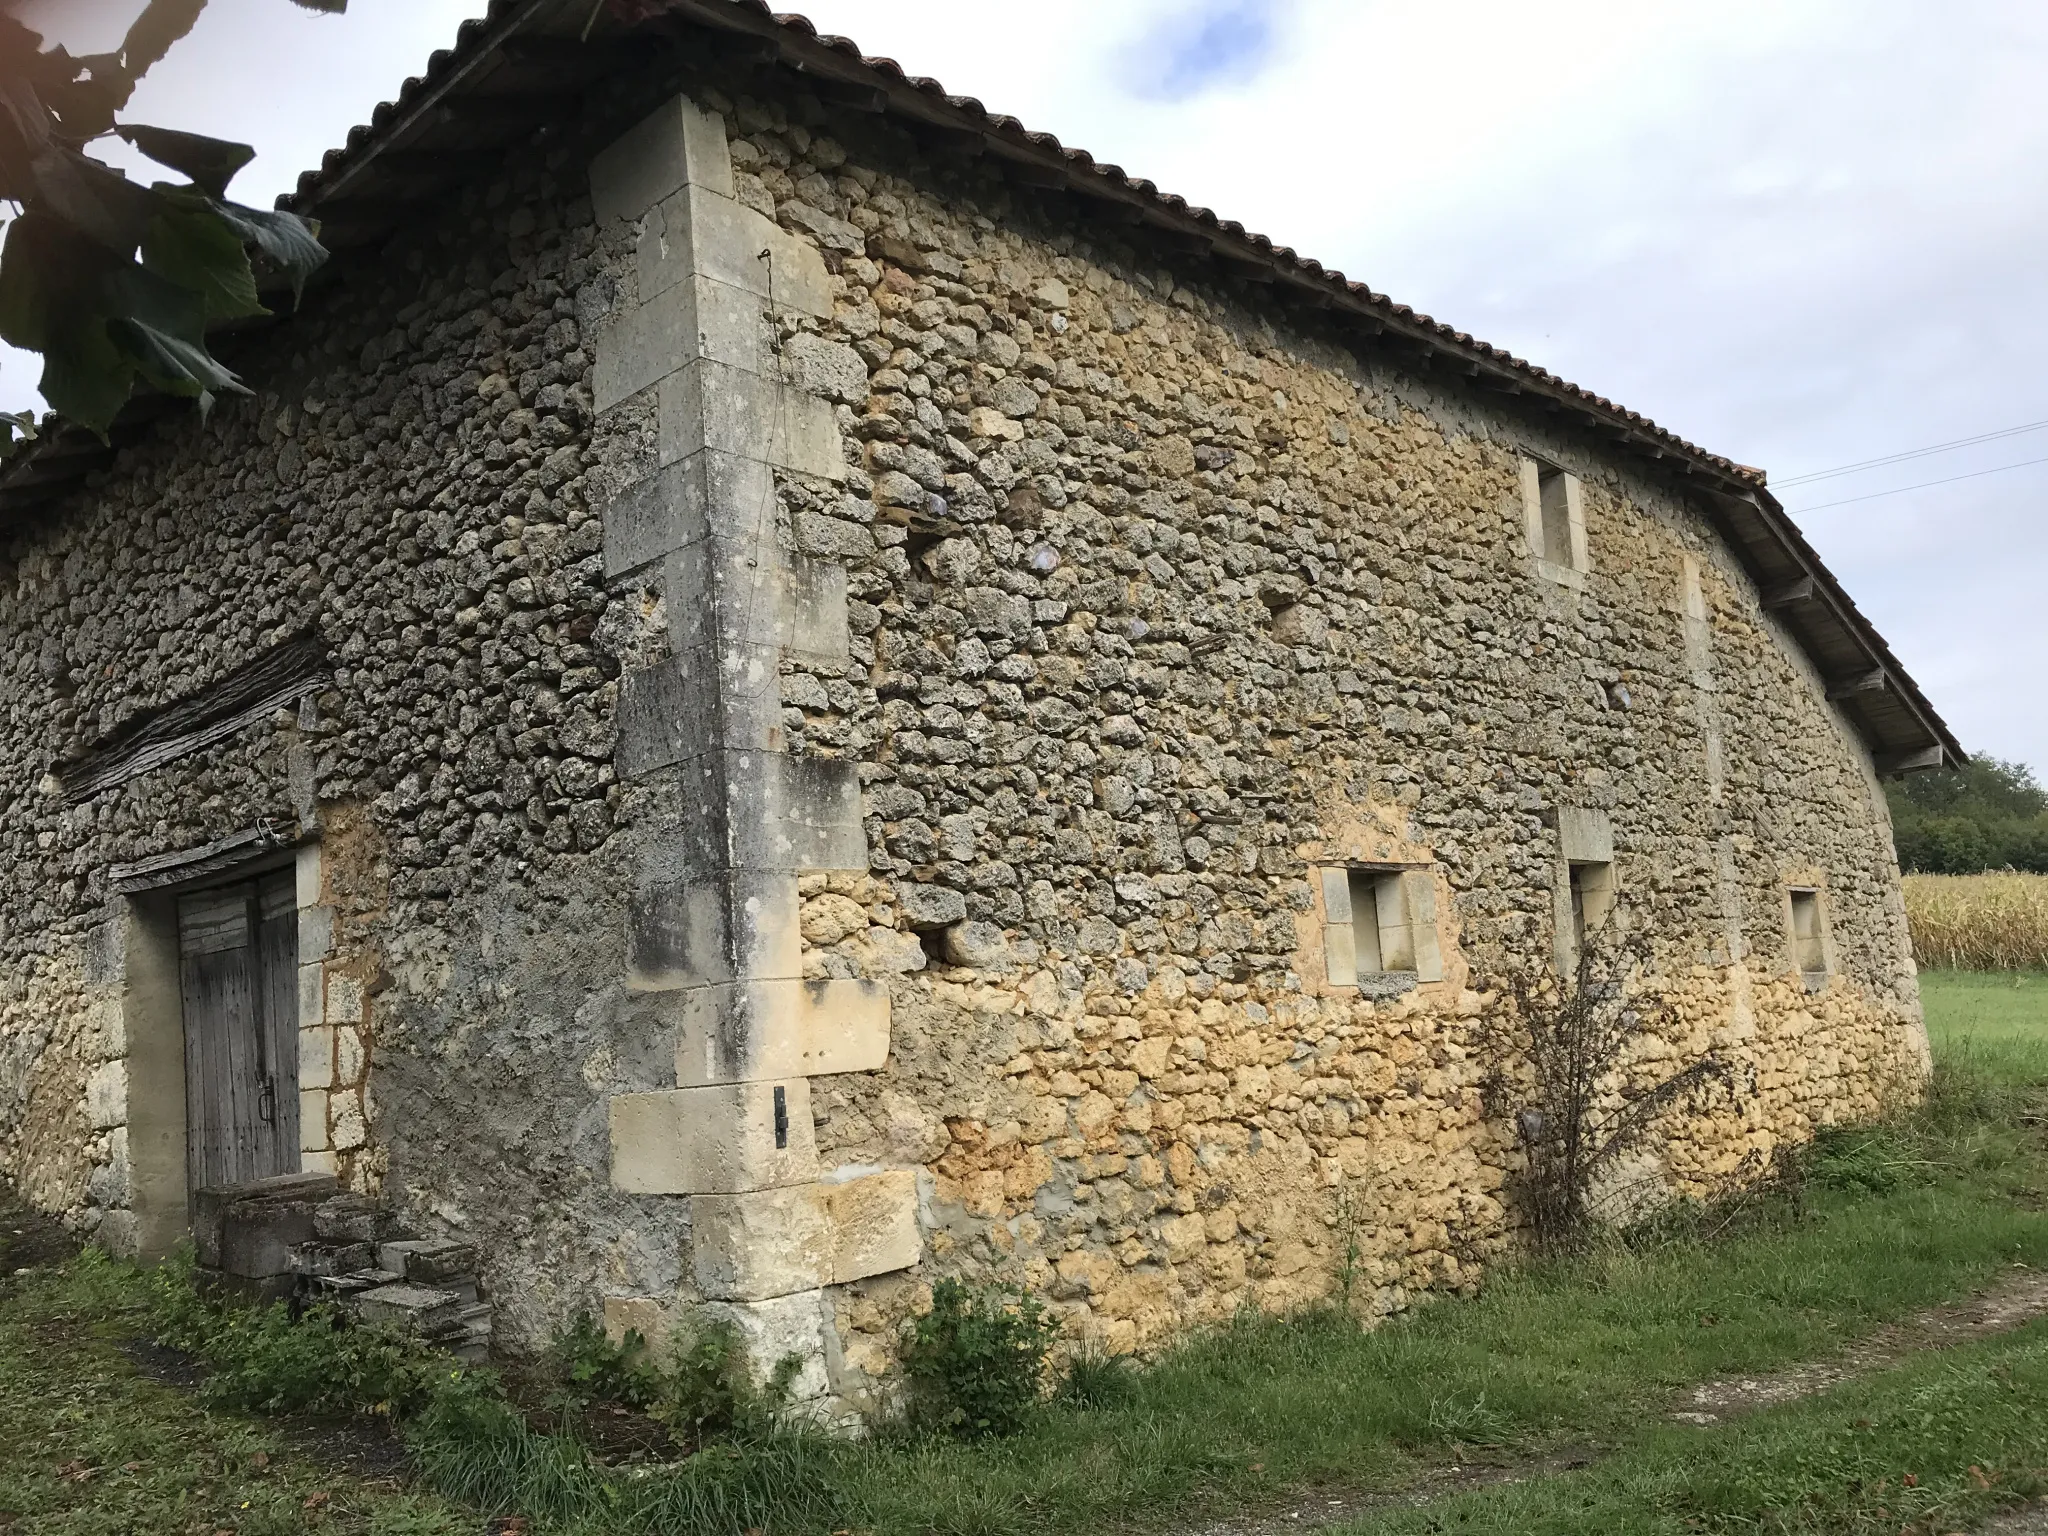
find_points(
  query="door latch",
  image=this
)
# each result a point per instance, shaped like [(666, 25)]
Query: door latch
[(266, 1102)]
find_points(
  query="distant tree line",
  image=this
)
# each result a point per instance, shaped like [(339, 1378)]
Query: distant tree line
[(1990, 815)]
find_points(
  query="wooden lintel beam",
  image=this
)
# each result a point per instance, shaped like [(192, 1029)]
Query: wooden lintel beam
[(1027, 173), (1925, 760), (954, 141), (1791, 592), (1872, 681), (1180, 242), (559, 56)]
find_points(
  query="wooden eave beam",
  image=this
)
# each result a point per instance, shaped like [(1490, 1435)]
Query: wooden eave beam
[(1921, 760), (1873, 681), (1791, 592)]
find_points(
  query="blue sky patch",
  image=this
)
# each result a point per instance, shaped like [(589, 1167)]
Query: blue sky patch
[(1196, 48)]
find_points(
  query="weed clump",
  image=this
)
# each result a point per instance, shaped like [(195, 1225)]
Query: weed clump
[(976, 1362), (318, 1362), (703, 1389), (1097, 1380)]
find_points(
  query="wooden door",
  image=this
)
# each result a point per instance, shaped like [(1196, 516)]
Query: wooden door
[(238, 949)]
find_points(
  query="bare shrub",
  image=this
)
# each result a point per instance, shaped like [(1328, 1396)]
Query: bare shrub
[(1558, 1052)]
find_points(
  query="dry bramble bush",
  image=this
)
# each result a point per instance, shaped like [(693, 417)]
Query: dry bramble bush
[(1993, 922)]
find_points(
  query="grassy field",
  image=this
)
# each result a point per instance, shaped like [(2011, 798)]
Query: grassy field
[(1979, 922), (1577, 1362)]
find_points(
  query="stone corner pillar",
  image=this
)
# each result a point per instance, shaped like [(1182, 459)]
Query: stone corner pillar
[(712, 917)]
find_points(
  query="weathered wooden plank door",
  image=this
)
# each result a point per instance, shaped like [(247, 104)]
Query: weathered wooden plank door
[(238, 972)]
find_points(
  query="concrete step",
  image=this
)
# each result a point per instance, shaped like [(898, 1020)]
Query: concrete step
[(352, 1218), (329, 1259), (421, 1308), (428, 1260)]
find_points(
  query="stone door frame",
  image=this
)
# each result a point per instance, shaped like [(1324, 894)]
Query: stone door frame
[(137, 1095)]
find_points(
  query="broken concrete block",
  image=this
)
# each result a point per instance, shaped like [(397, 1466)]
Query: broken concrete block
[(257, 1236), (351, 1218), (427, 1260), (210, 1205), (440, 1260), (321, 1258), (418, 1307)]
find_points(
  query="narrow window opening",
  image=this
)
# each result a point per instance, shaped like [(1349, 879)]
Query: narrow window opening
[(1592, 900), (1554, 502), (1809, 946)]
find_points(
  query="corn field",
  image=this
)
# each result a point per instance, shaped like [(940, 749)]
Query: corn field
[(1979, 922)]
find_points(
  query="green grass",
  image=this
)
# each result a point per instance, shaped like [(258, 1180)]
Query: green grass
[(90, 1446), (1996, 1019), (1932, 1446), (1586, 1354)]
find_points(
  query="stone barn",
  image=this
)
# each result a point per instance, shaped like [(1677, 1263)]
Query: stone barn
[(785, 687)]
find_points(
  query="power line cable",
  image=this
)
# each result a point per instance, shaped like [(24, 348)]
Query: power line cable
[(1913, 453), (1900, 490)]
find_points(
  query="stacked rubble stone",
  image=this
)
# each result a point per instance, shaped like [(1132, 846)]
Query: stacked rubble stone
[(1151, 600)]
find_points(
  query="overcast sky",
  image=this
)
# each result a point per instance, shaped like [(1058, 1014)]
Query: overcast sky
[(1802, 233)]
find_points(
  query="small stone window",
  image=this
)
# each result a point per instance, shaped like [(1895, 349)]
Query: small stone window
[(1379, 924), (1585, 887), (1554, 518), (1592, 888), (1809, 936)]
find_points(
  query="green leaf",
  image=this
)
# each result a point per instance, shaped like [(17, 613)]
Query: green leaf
[(172, 363), (209, 164), (290, 241), (86, 378), (162, 326), (95, 199), (193, 246), (31, 272)]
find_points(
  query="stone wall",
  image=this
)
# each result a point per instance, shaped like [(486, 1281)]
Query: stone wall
[(1158, 603), (958, 625), (412, 484)]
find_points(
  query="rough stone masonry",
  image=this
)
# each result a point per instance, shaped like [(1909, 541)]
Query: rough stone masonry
[(851, 721)]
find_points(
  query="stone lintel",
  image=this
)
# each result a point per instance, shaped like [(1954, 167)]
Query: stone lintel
[(757, 1030), (1586, 835), (714, 1140)]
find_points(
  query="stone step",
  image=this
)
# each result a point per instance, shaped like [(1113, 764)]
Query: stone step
[(352, 1218), (428, 1260), (330, 1259), (418, 1307)]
